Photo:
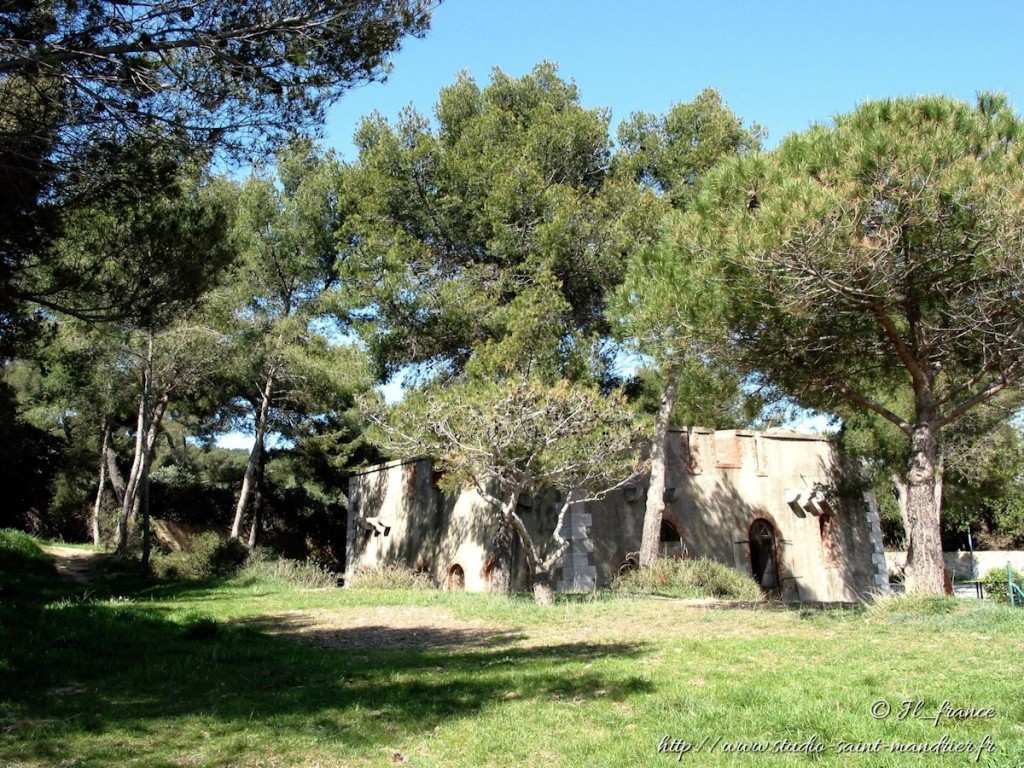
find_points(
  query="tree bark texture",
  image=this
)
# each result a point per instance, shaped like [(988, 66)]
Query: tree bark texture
[(260, 501), (656, 490), (95, 525), (130, 494), (543, 592), (925, 565), (501, 551), (144, 506), (114, 473), (130, 503)]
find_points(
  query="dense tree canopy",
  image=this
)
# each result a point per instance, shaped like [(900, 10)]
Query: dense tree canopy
[(455, 228), (221, 71), (660, 303), (90, 89), (877, 262), (282, 359)]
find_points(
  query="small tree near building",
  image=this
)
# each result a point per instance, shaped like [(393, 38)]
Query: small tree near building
[(515, 437)]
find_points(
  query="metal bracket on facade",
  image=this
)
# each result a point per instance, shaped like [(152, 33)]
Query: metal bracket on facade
[(805, 502), (375, 525)]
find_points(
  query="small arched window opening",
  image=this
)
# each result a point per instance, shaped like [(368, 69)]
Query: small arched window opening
[(456, 578), (829, 538), (670, 540), (764, 561)]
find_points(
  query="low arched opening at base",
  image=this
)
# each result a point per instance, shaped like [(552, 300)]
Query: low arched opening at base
[(456, 578)]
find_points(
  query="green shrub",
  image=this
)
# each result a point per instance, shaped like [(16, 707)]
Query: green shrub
[(265, 564), (389, 577), (19, 545), (996, 585), (699, 578), (206, 556), (23, 562)]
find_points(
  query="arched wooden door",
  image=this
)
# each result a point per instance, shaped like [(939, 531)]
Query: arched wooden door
[(764, 553)]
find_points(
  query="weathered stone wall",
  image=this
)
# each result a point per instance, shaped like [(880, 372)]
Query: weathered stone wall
[(820, 548), (447, 536), (720, 483)]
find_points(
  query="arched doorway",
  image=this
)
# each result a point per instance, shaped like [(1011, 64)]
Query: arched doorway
[(764, 560), (456, 578), (670, 540)]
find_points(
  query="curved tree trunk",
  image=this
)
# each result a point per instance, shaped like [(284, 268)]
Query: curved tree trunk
[(137, 488), (543, 592), (254, 457), (260, 500), (925, 567), (540, 572), (656, 490), (501, 551), (143, 505), (130, 503), (114, 473), (95, 523)]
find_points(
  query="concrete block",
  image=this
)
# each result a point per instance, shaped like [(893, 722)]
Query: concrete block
[(580, 560), (583, 580), (581, 545), (582, 518), (578, 530)]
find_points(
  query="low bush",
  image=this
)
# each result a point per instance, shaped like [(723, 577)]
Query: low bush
[(266, 564), (19, 545), (22, 562), (997, 586), (205, 556), (699, 578), (389, 577)]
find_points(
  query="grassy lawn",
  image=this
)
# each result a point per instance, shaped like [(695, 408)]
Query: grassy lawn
[(251, 672)]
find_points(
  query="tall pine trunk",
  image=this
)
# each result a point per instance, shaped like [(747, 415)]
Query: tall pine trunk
[(114, 473), (101, 486), (252, 464), (501, 551), (259, 507), (144, 507), (130, 502), (925, 567), (656, 490)]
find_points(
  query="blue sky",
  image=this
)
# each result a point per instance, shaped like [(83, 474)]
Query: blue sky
[(780, 63), (783, 64)]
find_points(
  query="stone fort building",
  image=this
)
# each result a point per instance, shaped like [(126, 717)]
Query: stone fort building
[(778, 505)]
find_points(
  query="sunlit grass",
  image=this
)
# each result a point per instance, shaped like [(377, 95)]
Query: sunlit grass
[(254, 672)]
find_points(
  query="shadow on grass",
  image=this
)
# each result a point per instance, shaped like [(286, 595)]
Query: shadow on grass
[(381, 637), (90, 676)]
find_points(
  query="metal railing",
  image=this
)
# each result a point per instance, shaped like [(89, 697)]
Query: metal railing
[(1016, 593)]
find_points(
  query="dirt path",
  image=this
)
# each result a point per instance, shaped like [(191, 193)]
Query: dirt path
[(438, 627), (72, 563)]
